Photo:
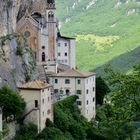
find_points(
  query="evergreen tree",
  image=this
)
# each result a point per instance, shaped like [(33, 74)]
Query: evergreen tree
[(11, 102)]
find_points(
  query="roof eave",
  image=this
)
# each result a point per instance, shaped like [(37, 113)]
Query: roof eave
[(73, 76), (28, 88)]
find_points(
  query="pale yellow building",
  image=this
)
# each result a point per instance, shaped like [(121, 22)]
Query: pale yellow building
[(39, 104)]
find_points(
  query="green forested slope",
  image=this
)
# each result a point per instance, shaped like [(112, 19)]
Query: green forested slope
[(105, 30)]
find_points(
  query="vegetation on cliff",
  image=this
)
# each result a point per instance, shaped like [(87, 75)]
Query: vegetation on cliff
[(11, 103)]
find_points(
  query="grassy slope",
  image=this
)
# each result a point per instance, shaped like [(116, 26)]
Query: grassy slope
[(123, 62), (102, 20)]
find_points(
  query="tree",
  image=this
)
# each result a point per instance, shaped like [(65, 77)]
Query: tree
[(125, 91), (11, 102), (101, 90), (49, 123), (51, 133), (120, 119), (27, 132)]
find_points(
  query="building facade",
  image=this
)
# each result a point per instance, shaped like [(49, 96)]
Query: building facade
[(66, 51), (39, 105), (40, 27), (56, 53), (74, 82)]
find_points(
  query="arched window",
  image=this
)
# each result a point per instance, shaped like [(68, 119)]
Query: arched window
[(67, 92), (49, 111), (43, 57), (50, 16)]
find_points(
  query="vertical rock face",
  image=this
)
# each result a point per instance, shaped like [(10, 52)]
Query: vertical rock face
[(24, 5), (8, 14), (14, 69), (10, 10)]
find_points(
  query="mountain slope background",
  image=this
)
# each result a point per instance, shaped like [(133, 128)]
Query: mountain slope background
[(107, 32)]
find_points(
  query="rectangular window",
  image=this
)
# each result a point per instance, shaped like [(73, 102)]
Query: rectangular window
[(42, 101), (49, 111), (87, 102), (79, 92), (59, 44), (79, 81), (79, 103), (66, 54), (59, 54), (56, 81), (66, 44), (93, 89), (87, 91), (55, 90), (36, 103), (93, 99), (67, 81)]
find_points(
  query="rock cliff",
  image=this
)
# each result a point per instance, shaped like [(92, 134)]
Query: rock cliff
[(16, 58)]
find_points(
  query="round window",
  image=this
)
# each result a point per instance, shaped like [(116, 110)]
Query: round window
[(43, 47), (27, 34)]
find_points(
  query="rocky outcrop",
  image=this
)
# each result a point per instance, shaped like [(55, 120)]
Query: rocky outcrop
[(10, 11), (132, 11), (16, 58), (16, 61)]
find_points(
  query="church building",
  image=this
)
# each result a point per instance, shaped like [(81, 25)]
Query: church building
[(56, 53), (40, 27)]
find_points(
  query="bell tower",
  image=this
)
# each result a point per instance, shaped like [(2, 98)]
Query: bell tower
[(52, 30)]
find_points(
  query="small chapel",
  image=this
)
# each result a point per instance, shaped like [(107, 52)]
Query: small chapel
[(56, 53)]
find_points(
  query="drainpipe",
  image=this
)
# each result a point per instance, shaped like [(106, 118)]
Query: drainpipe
[(0, 119), (75, 85), (39, 108)]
